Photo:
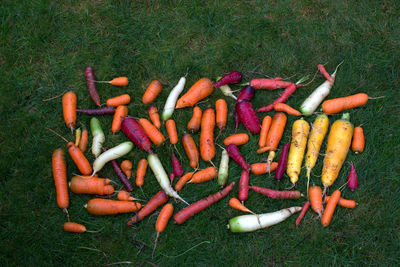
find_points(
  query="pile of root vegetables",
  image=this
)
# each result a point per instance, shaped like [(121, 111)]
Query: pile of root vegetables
[(147, 134)]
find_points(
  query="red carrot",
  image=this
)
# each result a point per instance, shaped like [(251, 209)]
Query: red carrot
[(172, 177), (303, 212), (232, 77), (234, 153), (135, 132), (159, 199), (244, 186), (269, 84), (97, 111), (248, 116), (282, 162), (202, 204), (247, 93), (352, 181), (276, 194), (323, 71), (176, 166)]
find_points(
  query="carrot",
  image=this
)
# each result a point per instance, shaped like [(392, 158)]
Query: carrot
[(78, 134), (345, 203), (201, 89), (235, 203), (184, 214), (154, 116), (125, 195), (263, 168), (243, 193), (330, 208), (141, 172), (162, 221), (270, 84), (59, 167), (91, 84), (69, 109), (152, 91), (120, 112), (100, 206), (248, 116), (221, 109), (207, 147), (352, 181), (195, 122), (126, 167), (286, 108), (358, 143), (183, 180), (337, 105), (172, 177), (84, 140), (135, 132), (79, 159), (152, 132), (204, 175), (274, 194), (323, 71), (237, 139), (156, 201), (176, 166), (121, 175), (266, 124), (315, 197), (234, 153), (191, 150), (119, 81), (97, 111), (281, 168), (124, 99), (74, 227), (232, 77), (91, 185), (172, 132), (303, 211)]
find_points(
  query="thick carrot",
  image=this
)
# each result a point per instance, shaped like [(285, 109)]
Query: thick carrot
[(204, 175), (152, 91), (141, 172), (126, 167), (120, 100), (154, 116), (193, 125), (152, 132), (358, 143), (91, 85), (330, 208), (191, 150), (243, 193), (172, 132), (286, 108), (235, 203), (91, 185), (221, 109), (125, 196), (315, 197), (69, 109), (74, 227), (120, 113), (303, 211), (183, 180), (100, 206), (274, 194), (207, 147), (79, 159), (266, 124), (337, 105), (84, 140), (237, 139), (263, 167), (201, 89), (156, 201), (202, 204), (59, 167), (345, 203)]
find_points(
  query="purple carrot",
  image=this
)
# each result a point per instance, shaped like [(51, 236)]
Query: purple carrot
[(171, 177), (248, 116), (244, 186), (121, 175), (91, 85), (176, 166), (237, 120), (247, 93), (135, 132), (232, 77), (280, 170), (234, 153), (97, 111), (352, 181)]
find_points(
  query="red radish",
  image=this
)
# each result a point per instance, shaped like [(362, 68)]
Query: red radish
[(171, 177), (135, 132), (244, 186), (91, 84), (232, 77), (158, 199), (303, 212), (247, 93), (200, 205), (323, 71), (276, 194), (248, 116), (234, 153), (176, 166), (269, 84), (282, 162), (97, 111), (352, 181)]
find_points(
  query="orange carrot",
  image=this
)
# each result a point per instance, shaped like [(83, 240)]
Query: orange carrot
[(263, 168), (201, 89), (235, 203), (345, 203), (172, 132), (91, 185), (183, 180), (221, 109), (84, 140), (154, 116), (204, 175), (156, 201), (126, 167), (141, 172), (100, 206), (74, 227), (119, 81), (152, 132), (207, 147), (286, 108), (237, 139), (79, 159), (152, 91), (120, 112), (358, 143), (69, 109), (191, 150), (304, 209), (195, 122), (275, 134), (266, 124), (337, 105), (315, 197), (124, 195), (330, 208), (60, 178), (118, 100), (162, 221)]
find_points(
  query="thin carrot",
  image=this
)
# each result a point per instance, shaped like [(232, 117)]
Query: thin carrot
[(162, 221), (358, 143), (78, 135), (74, 227), (79, 159), (59, 167), (125, 195), (141, 172), (91, 85), (237, 139), (120, 113), (84, 140), (207, 147), (323, 71), (345, 203), (172, 132), (235, 203), (337, 105), (330, 208), (286, 108), (275, 134), (156, 201), (69, 109), (152, 91), (263, 168), (204, 175), (201, 89), (221, 109), (266, 124), (126, 167), (304, 209), (120, 100), (183, 180), (315, 197), (152, 132), (154, 116), (100, 206), (191, 149), (193, 125)]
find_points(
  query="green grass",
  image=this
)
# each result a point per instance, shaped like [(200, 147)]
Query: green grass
[(45, 46)]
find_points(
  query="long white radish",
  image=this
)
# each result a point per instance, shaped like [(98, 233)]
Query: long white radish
[(223, 168), (172, 98), (113, 153), (162, 177), (98, 136), (250, 223)]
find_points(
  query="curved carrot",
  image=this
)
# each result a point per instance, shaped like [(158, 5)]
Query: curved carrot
[(69, 109), (263, 168), (207, 147), (304, 209), (154, 116), (156, 201), (323, 71), (237, 139), (84, 140), (79, 159), (172, 132), (345, 203), (337, 105), (204, 175), (141, 172), (183, 180), (330, 208), (126, 167), (118, 100), (221, 109), (152, 132), (59, 167), (74, 227), (195, 122), (191, 150), (266, 124), (315, 197), (100, 206), (243, 193), (91, 84), (120, 113), (201, 89), (152, 91), (235, 203), (162, 221), (358, 143), (286, 108)]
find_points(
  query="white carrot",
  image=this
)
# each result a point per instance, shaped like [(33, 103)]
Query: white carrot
[(98, 136), (172, 98), (113, 153)]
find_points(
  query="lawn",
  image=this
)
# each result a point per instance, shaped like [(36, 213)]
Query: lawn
[(45, 46)]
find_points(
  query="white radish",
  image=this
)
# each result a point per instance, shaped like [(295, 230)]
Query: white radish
[(172, 98), (162, 177), (249, 223), (98, 136), (113, 153), (223, 168)]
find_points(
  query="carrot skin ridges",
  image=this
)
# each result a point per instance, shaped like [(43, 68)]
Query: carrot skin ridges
[(230, 78), (276, 194), (207, 147), (244, 186), (184, 214), (303, 211), (135, 132), (91, 84), (234, 153), (280, 171), (60, 178), (97, 111), (157, 200)]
